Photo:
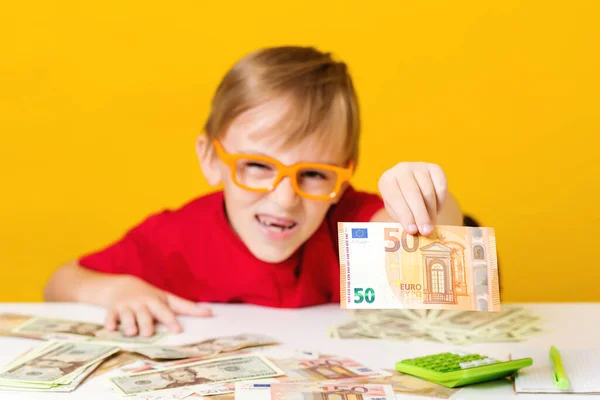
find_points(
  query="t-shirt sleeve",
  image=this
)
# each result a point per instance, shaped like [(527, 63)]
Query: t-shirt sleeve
[(138, 252), (355, 206)]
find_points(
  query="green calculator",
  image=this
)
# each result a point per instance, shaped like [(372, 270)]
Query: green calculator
[(459, 369)]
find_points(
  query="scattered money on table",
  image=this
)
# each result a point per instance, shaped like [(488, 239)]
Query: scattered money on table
[(334, 389), (403, 384), (206, 348), (208, 391), (513, 324), (312, 391), (8, 322), (55, 366), (333, 368), (118, 360), (63, 365), (219, 370), (383, 267), (400, 287), (58, 329)]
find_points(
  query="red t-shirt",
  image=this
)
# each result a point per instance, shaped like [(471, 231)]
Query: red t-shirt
[(194, 253)]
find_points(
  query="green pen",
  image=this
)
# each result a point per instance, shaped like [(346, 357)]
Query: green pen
[(560, 378)]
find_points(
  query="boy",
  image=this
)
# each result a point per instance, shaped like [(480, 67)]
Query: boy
[(282, 139)]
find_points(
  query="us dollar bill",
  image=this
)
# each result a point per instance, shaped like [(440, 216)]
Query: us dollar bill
[(227, 369), (206, 348), (50, 328), (54, 364)]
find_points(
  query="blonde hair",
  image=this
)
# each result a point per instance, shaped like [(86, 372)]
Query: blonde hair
[(319, 90)]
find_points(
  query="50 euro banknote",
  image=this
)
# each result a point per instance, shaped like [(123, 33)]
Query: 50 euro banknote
[(312, 391), (382, 266)]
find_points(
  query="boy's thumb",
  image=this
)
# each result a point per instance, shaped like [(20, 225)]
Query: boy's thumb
[(186, 307)]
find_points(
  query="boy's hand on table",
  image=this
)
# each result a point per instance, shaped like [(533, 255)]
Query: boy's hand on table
[(413, 194), (136, 304)]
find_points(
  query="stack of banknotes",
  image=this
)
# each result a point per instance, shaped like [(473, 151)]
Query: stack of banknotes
[(390, 387), (208, 369), (214, 375), (513, 324), (54, 366), (225, 377)]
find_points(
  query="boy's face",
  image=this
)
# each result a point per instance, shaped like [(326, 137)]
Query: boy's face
[(274, 224)]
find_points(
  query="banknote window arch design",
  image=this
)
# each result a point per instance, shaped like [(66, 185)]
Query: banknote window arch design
[(478, 252), (439, 274), (438, 279), (439, 286), (334, 396), (482, 305)]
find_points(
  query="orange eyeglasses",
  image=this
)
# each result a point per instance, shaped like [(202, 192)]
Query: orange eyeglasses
[(262, 174)]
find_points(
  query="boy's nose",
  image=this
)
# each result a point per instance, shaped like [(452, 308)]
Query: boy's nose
[(285, 195)]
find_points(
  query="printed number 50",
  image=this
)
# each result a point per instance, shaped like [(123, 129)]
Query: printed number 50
[(368, 296)]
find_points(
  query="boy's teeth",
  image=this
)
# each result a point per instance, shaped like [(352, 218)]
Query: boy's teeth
[(273, 224)]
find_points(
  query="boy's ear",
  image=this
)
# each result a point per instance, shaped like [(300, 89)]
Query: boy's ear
[(208, 160)]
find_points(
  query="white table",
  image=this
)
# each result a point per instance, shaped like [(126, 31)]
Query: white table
[(574, 325)]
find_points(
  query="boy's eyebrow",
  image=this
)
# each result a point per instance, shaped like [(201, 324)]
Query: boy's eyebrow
[(260, 153)]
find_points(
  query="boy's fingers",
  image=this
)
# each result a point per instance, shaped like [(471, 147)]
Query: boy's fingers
[(110, 321), (396, 205), (145, 322), (414, 199), (440, 183), (427, 189), (186, 307), (399, 210), (165, 316), (128, 325)]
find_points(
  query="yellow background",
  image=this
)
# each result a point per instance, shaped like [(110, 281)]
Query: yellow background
[(100, 104)]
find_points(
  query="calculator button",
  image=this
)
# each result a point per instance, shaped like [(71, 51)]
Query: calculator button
[(489, 361), (467, 364)]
